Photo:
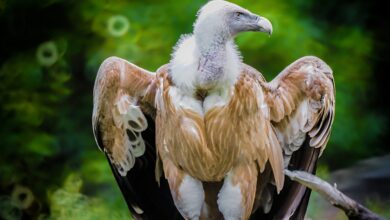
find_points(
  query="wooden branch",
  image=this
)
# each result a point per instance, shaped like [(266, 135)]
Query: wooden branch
[(353, 209)]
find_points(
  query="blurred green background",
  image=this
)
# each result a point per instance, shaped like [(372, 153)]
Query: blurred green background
[(50, 51)]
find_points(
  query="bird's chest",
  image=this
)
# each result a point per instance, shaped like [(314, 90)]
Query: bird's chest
[(197, 133), (200, 136)]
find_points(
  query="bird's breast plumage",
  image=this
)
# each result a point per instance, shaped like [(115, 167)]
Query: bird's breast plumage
[(207, 138)]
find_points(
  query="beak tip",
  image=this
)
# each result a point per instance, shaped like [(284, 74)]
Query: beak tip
[(265, 25)]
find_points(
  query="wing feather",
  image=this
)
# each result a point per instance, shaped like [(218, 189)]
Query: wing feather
[(123, 125), (118, 119), (302, 94), (301, 102)]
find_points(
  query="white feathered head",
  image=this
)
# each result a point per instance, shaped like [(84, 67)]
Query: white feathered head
[(219, 17)]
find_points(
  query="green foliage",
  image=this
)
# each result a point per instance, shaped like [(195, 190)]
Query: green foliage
[(68, 203), (46, 80), (380, 207)]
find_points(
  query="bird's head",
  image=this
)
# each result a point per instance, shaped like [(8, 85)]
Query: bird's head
[(224, 20)]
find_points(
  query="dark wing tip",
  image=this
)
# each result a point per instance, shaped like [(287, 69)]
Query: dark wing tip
[(126, 189)]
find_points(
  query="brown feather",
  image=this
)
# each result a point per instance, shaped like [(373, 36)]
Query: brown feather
[(118, 80), (301, 101)]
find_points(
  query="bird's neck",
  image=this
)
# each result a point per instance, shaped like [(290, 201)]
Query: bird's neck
[(208, 43), (215, 53), (204, 63)]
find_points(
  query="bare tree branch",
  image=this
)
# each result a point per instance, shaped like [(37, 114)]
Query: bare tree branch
[(353, 209)]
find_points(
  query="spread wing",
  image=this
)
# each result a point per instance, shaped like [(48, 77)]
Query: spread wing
[(301, 101), (123, 125), (301, 104)]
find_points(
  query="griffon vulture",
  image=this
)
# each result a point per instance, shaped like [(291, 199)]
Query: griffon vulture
[(206, 136)]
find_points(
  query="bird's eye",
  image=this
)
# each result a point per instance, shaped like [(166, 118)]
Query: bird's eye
[(238, 14)]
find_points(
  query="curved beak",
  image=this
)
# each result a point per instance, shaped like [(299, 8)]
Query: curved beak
[(250, 22), (264, 25)]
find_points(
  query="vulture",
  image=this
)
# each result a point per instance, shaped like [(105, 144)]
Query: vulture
[(206, 136)]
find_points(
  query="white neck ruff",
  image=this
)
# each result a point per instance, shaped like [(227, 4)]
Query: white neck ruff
[(191, 67)]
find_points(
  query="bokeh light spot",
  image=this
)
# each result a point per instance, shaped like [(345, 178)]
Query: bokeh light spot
[(47, 53), (22, 197), (118, 25)]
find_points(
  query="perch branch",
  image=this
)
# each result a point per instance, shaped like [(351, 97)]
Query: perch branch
[(352, 209)]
